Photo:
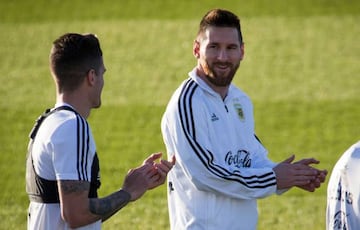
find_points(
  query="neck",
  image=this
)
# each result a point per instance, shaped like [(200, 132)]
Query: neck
[(73, 100), (221, 90)]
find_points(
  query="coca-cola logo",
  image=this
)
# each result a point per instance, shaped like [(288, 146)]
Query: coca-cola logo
[(240, 159)]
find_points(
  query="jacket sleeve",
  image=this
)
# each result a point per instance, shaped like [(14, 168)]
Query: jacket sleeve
[(185, 132)]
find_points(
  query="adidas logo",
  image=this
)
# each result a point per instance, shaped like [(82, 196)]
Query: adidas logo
[(214, 117)]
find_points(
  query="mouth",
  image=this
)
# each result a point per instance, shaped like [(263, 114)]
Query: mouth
[(222, 66)]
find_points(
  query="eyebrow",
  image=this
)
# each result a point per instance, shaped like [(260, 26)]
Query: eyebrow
[(230, 44)]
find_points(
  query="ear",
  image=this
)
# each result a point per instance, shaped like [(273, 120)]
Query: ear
[(196, 49), (242, 50), (91, 77)]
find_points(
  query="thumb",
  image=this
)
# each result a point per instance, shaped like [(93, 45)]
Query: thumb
[(289, 160), (173, 160)]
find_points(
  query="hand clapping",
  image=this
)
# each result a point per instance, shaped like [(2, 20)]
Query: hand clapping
[(299, 174), (149, 175)]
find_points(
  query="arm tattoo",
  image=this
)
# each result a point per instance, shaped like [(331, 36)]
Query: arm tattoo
[(108, 206), (103, 207), (74, 186)]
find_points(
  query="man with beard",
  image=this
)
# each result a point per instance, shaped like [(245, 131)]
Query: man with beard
[(222, 168)]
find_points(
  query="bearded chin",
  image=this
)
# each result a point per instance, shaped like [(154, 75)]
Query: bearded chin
[(217, 80)]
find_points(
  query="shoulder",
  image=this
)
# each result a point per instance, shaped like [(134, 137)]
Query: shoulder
[(351, 157), (238, 92), (62, 123), (351, 154), (355, 149), (184, 100), (187, 88), (348, 164), (185, 93), (65, 119)]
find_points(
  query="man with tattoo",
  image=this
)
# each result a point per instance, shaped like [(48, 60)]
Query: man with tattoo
[(62, 168)]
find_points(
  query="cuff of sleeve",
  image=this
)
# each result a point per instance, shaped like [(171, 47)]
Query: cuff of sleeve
[(281, 191)]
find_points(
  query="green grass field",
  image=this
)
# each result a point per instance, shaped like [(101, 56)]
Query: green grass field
[(301, 69)]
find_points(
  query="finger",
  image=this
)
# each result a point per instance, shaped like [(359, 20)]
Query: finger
[(303, 169), (321, 177), (308, 161), (290, 159), (145, 168), (153, 157), (151, 173), (162, 173), (307, 178), (308, 187), (302, 179), (316, 183), (324, 172), (173, 160), (167, 164), (159, 178), (306, 172), (156, 177), (163, 167), (302, 182)]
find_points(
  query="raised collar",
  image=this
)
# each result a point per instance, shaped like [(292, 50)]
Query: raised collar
[(193, 75)]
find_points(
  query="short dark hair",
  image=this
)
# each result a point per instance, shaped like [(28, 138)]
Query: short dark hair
[(72, 56), (220, 18)]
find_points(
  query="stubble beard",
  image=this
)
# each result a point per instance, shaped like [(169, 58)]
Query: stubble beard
[(217, 79)]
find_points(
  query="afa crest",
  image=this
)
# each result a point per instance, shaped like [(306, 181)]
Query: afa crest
[(239, 110)]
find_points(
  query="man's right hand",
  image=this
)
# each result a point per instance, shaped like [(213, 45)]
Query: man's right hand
[(147, 176), (289, 174), (138, 180)]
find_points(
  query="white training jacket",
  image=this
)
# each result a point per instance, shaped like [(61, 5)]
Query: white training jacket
[(343, 193), (221, 167)]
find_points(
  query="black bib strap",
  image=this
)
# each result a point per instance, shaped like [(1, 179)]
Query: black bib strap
[(42, 117), (39, 189)]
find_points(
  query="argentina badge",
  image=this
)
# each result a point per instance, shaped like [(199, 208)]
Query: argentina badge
[(239, 110)]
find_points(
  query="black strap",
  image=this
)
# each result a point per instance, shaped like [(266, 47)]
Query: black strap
[(35, 185), (42, 117)]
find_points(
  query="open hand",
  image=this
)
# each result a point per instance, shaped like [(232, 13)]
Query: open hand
[(290, 174), (320, 177), (162, 168)]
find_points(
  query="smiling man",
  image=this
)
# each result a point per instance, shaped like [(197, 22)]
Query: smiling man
[(222, 167)]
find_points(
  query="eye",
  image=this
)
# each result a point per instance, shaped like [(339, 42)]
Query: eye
[(212, 46), (233, 47)]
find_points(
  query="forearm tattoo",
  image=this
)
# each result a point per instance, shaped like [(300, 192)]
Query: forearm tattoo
[(108, 206), (103, 207)]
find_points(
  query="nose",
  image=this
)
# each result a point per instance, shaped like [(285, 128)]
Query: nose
[(222, 55)]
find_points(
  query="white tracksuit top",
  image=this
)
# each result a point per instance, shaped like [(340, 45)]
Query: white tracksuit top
[(221, 167), (343, 192)]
